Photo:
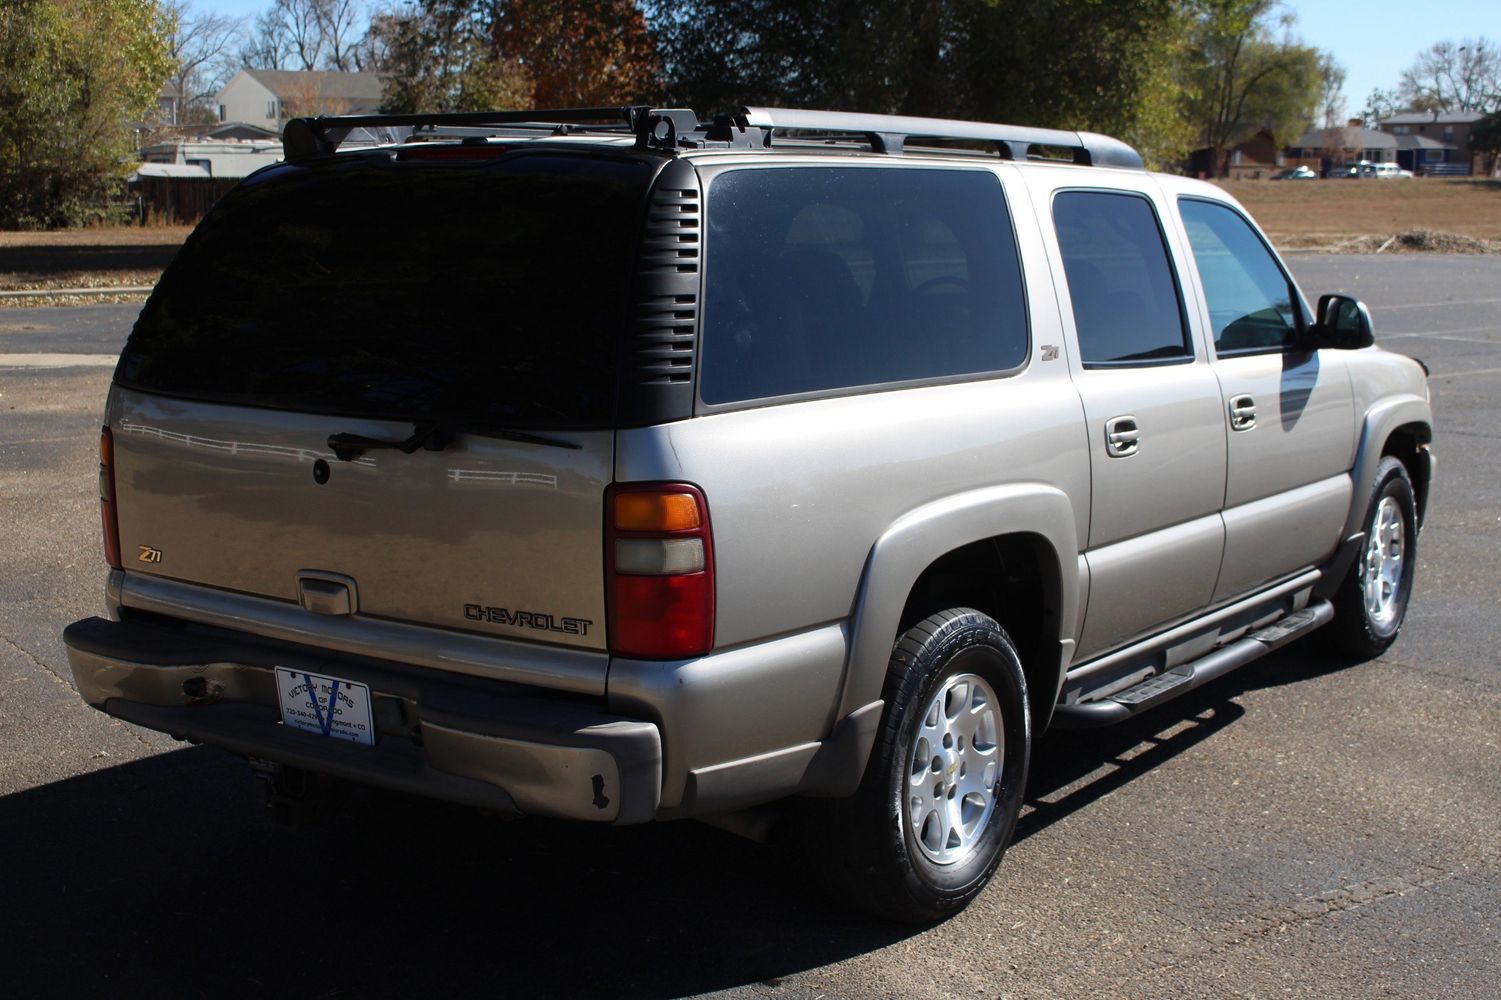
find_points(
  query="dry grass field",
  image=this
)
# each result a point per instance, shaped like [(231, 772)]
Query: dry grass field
[(1321, 213)]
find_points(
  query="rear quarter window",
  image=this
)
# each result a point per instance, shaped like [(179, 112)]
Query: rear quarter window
[(821, 279)]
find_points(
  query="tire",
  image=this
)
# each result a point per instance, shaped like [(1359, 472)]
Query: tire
[(942, 789), (1371, 603)]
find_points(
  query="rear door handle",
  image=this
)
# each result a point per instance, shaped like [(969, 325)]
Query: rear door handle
[(1242, 412), (1122, 437)]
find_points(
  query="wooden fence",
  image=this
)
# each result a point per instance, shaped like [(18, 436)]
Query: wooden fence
[(177, 199)]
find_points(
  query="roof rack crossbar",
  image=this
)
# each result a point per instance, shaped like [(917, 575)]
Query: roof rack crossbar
[(307, 138), (891, 134)]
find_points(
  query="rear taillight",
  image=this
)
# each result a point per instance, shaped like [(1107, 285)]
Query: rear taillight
[(107, 498), (659, 558)]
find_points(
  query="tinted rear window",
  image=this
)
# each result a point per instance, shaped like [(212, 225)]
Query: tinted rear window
[(486, 292), (824, 278)]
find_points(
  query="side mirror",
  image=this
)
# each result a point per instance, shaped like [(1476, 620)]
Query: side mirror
[(1344, 324)]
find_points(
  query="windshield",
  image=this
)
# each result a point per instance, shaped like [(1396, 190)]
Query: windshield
[(492, 293)]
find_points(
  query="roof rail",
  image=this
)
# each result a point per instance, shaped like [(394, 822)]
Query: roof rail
[(890, 133), (667, 129)]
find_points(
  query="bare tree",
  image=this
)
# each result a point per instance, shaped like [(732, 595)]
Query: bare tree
[(1331, 91), (196, 43), (337, 20), (304, 35), (265, 44), (302, 23), (1380, 104), (1454, 77)]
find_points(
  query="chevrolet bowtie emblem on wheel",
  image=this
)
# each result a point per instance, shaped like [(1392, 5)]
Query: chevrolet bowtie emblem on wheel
[(147, 554)]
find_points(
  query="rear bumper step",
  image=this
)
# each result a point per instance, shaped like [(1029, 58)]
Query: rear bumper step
[(496, 746), (1181, 679)]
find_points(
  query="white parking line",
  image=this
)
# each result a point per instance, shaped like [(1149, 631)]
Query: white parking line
[(58, 360), (1432, 305)]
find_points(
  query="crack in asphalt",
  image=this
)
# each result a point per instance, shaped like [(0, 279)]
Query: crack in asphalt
[(58, 678), (28, 655), (1307, 910)]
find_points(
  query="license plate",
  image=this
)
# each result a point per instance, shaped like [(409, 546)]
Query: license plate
[(329, 706)]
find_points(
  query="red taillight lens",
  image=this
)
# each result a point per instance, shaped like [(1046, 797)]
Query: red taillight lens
[(660, 564), (107, 513)]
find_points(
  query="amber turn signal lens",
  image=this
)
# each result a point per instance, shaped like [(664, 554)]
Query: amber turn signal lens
[(655, 512)]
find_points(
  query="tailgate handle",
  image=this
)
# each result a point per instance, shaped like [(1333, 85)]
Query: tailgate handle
[(327, 593)]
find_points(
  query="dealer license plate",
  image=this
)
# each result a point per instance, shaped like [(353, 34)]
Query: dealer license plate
[(329, 706)]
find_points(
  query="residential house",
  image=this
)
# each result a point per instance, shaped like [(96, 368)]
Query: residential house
[(1323, 149), (1255, 159), (269, 97), (169, 104), (1434, 142)]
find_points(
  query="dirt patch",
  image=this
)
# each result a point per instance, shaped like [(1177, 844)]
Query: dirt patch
[(1417, 241), (1325, 213)]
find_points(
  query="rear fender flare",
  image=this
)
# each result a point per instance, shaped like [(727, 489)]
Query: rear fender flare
[(915, 540)]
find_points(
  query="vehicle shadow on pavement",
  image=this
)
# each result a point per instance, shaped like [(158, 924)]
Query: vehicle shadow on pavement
[(167, 877)]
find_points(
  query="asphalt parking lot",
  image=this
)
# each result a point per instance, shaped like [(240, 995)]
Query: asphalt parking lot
[(1303, 828)]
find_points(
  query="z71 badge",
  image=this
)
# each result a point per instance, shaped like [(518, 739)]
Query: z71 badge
[(541, 621)]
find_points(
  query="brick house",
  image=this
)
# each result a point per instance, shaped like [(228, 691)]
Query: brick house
[(1434, 142), (1326, 148)]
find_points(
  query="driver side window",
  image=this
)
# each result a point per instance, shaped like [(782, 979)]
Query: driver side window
[(1252, 304)]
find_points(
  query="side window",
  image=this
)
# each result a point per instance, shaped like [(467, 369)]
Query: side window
[(826, 278), (1126, 304), (1252, 305)]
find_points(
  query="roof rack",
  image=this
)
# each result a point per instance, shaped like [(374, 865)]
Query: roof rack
[(890, 134), (654, 128), (668, 129)]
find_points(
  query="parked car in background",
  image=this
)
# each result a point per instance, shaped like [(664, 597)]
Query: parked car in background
[(1390, 171), (1296, 174)]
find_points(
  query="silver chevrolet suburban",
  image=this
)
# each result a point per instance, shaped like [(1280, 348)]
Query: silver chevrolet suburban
[(619, 466)]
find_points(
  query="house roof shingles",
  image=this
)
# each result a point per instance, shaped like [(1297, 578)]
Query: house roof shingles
[(1430, 118), (1346, 138), (294, 83)]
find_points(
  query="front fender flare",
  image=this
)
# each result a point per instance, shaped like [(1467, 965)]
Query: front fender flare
[(1380, 421)]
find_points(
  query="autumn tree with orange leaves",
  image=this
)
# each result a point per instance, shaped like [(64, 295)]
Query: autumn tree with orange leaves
[(579, 52), (459, 55)]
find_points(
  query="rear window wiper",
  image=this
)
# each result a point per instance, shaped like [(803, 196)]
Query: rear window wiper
[(433, 437)]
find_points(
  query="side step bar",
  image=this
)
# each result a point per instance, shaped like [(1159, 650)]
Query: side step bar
[(1181, 679)]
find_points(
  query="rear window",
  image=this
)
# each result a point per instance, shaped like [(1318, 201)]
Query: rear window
[(493, 293), (825, 278)]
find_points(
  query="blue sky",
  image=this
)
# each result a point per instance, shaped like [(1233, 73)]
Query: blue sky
[(1375, 40)]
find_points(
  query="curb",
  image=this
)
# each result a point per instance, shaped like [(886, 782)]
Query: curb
[(36, 293)]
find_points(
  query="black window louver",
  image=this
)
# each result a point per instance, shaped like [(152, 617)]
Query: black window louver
[(658, 369)]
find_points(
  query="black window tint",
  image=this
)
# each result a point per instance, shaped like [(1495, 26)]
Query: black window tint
[(823, 278), (1126, 303), (1251, 302), (485, 292)]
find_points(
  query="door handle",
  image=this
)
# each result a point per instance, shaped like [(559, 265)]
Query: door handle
[(1242, 412), (1122, 437)]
